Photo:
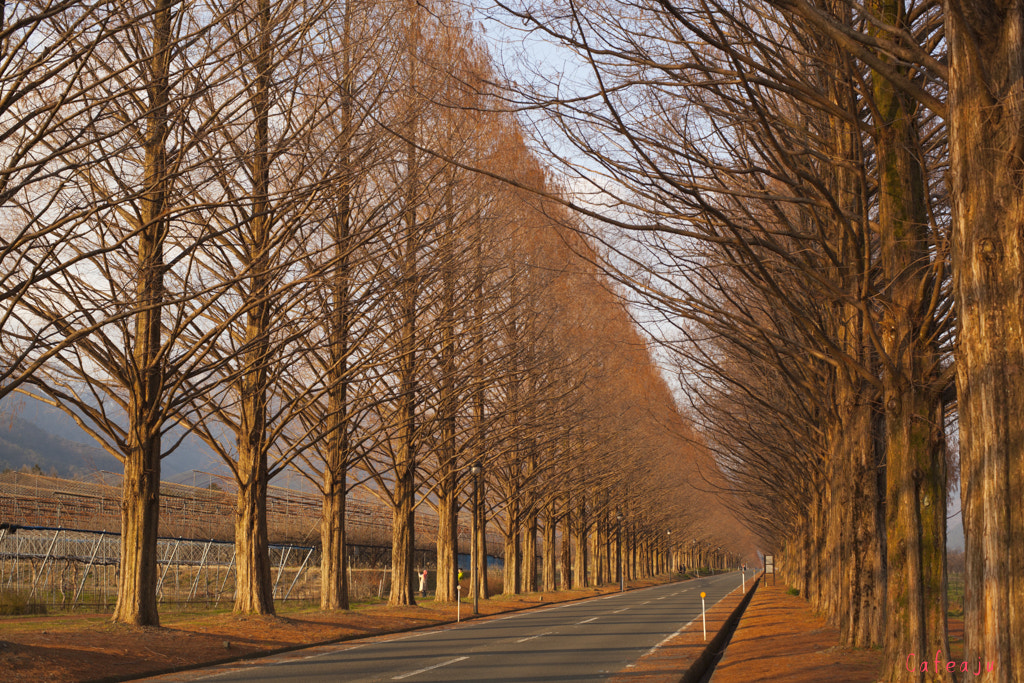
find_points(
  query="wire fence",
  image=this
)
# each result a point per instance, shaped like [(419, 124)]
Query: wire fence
[(71, 569), (53, 569), (57, 553)]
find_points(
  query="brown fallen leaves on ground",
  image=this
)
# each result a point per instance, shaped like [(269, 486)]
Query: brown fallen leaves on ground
[(779, 638)]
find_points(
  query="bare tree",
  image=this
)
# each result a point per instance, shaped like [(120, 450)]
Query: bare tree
[(985, 123), (121, 310), (265, 177)]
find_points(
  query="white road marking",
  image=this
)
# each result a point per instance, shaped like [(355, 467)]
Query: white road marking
[(668, 638), (523, 640), (411, 635), (429, 668), (332, 651), (586, 621), (620, 610)]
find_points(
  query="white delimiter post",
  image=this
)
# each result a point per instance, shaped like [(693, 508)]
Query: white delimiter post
[(703, 620), (458, 608)]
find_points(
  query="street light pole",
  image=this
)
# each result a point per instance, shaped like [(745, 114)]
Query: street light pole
[(474, 573), (622, 574)]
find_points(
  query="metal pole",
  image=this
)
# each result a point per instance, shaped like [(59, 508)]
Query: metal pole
[(46, 560), (167, 565), (280, 569), (85, 575), (199, 572), (298, 574), (227, 573)]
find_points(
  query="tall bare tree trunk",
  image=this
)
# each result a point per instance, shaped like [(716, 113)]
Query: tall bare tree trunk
[(986, 106), (865, 556), (447, 548), (529, 559), (510, 581), (253, 587), (579, 542), (854, 484), (334, 587), (593, 543), (604, 547), (140, 493), (402, 540), (481, 539), (565, 555), (333, 558), (548, 550), (253, 591), (915, 461), (448, 479), (333, 575), (140, 507), (629, 545), (479, 573)]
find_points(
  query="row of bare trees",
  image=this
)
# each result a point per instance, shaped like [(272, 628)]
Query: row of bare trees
[(253, 222), (819, 201)]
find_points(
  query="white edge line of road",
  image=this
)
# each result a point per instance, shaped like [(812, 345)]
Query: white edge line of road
[(429, 668), (663, 641), (680, 630), (523, 640), (334, 651), (669, 637)]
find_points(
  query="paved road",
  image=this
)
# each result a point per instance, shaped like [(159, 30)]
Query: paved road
[(579, 641)]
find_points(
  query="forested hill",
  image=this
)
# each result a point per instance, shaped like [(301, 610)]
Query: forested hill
[(36, 434), (23, 443)]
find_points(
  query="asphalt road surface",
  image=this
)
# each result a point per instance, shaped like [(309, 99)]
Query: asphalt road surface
[(587, 640)]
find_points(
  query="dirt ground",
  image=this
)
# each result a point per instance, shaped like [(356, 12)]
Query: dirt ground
[(83, 647), (779, 638)]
